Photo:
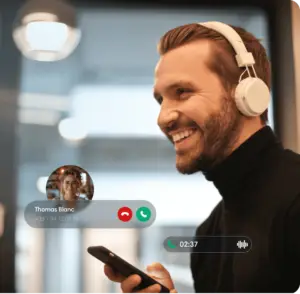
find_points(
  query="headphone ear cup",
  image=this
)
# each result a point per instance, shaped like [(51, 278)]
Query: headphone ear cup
[(252, 96)]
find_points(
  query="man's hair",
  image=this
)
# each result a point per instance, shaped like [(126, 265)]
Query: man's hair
[(222, 61)]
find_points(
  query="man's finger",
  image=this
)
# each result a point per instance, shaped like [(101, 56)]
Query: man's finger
[(113, 275), (151, 289), (130, 283)]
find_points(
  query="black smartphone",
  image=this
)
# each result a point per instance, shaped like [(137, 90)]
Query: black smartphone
[(123, 267)]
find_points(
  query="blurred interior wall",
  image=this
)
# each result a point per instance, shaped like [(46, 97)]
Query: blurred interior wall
[(10, 60), (296, 48), (283, 82)]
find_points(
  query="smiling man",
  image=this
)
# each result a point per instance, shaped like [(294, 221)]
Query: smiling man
[(214, 94), (197, 113)]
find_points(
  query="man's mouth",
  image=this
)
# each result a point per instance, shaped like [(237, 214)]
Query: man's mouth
[(182, 135)]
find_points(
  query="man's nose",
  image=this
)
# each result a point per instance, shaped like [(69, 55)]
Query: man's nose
[(167, 118)]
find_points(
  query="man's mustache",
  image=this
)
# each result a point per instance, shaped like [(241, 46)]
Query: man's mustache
[(180, 125)]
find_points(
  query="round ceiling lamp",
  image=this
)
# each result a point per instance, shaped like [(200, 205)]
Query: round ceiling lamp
[(46, 30)]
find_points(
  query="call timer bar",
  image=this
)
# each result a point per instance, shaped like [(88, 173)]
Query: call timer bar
[(209, 244)]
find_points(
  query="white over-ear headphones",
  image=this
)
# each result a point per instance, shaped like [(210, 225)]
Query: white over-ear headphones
[(252, 95)]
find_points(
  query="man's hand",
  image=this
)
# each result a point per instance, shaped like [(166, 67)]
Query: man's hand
[(155, 271)]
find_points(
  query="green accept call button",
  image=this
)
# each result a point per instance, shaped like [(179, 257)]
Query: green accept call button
[(143, 214)]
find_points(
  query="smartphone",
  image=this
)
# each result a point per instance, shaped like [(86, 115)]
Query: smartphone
[(123, 267)]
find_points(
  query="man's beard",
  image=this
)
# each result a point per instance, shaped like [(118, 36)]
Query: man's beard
[(218, 135)]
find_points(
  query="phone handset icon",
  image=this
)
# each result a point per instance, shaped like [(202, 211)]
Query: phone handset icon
[(143, 214), (171, 244), (125, 214)]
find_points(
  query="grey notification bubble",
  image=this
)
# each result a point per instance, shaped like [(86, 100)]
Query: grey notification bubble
[(87, 214)]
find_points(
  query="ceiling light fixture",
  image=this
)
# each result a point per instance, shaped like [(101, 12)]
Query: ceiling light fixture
[(46, 30)]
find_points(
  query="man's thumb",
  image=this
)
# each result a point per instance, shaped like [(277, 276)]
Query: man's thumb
[(158, 270)]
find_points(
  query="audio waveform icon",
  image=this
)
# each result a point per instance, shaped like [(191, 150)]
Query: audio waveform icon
[(242, 244)]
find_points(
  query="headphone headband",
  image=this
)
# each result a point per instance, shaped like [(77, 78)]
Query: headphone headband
[(252, 95), (243, 57)]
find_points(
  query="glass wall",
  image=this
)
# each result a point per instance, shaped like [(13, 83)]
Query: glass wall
[(105, 86)]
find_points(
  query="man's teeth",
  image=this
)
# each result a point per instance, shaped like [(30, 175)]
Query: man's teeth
[(182, 135)]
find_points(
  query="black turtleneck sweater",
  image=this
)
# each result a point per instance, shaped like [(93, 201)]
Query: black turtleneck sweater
[(260, 188)]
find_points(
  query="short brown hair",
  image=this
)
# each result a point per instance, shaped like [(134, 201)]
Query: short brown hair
[(223, 63)]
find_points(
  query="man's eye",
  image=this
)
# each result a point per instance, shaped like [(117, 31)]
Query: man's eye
[(181, 91)]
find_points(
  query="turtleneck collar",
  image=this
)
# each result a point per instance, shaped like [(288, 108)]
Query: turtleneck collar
[(230, 174)]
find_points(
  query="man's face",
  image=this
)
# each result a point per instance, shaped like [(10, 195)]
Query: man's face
[(196, 114)]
